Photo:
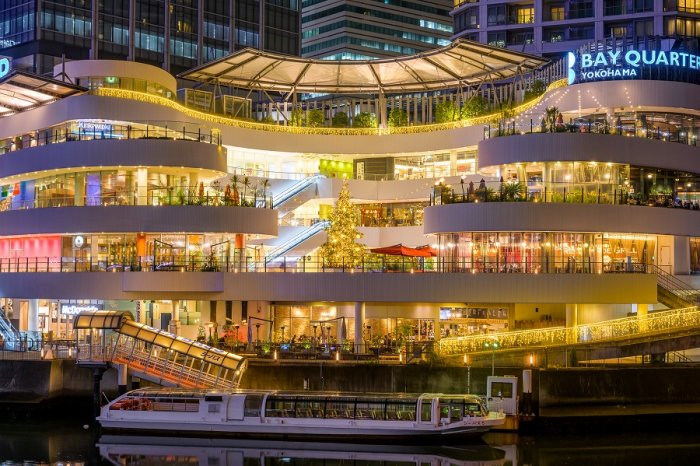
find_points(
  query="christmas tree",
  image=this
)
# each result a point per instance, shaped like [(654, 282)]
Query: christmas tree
[(341, 250)]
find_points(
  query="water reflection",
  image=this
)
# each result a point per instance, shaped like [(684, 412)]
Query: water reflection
[(147, 451), (68, 444)]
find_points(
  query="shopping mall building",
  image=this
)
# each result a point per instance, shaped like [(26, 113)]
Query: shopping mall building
[(565, 197)]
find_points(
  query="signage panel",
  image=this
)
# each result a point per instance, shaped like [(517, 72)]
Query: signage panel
[(626, 64), (5, 67)]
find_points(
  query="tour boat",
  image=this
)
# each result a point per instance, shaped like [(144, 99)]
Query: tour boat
[(299, 414), (120, 450)]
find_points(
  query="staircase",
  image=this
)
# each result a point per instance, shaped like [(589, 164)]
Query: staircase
[(296, 240), (673, 292), (295, 195), (10, 335), (163, 358)]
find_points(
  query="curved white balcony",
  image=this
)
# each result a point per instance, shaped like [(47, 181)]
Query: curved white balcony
[(568, 217), (115, 152), (588, 147), (143, 219)]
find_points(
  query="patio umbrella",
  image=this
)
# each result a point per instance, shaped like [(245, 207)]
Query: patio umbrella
[(426, 247), (471, 187), (250, 332), (401, 250), (482, 184)]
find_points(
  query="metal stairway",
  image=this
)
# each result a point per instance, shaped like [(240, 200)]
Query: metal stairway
[(674, 292), (10, 335), (296, 240), (158, 356), (291, 198)]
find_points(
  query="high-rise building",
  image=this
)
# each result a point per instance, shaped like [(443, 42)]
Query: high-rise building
[(368, 29), (551, 27), (173, 34)]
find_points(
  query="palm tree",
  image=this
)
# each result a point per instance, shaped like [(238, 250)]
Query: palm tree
[(265, 184), (234, 187), (551, 115), (246, 185), (512, 191)]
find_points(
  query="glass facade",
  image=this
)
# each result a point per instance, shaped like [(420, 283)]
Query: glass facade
[(544, 252), (192, 36), (369, 30)]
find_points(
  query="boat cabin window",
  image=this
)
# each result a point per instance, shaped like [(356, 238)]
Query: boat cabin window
[(251, 408), (213, 398), (451, 409), (279, 407), (183, 405), (340, 408), (309, 408), (399, 410), (473, 409), (426, 412)]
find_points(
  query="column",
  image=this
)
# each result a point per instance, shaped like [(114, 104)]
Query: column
[(642, 313), (142, 186), (33, 316), (453, 163), (122, 378), (132, 31), (94, 43), (79, 192), (174, 326), (359, 327), (681, 255), (571, 323)]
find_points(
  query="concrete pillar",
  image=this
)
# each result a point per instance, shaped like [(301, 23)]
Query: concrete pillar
[(79, 194), (681, 255), (571, 323), (642, 313), (174, 326), (142, 186), (359, 327), (33, 316), (122, 378)]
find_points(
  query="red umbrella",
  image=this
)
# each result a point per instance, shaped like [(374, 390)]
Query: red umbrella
[(401, 250), (426, 247)]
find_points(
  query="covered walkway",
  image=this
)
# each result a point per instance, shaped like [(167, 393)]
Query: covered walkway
[(155, 355)]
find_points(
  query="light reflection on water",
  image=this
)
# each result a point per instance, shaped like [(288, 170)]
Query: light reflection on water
[(71, 445)]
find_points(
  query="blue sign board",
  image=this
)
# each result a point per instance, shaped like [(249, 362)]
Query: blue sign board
[(614, 64), (4, 67)]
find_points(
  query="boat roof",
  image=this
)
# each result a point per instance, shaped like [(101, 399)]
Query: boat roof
[(188, 393)]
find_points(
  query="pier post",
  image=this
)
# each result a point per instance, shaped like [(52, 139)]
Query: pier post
[(96, 391), (122, 378)]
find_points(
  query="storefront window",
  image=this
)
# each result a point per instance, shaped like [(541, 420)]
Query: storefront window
[(695, 256), (540, 252)]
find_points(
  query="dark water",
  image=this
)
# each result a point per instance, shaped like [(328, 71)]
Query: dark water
[(68, 443)]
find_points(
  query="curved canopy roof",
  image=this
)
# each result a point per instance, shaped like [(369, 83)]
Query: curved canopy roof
[(461, 63)]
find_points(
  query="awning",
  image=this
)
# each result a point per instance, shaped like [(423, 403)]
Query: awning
[(401, 250), (21, 91), (459, 64), (111, 320), (427, 247)]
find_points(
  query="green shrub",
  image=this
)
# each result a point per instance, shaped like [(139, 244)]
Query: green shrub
[(297, 118), (475, 106), (268, 120), (398, 117), (446, 111), (364, 120), (315, 118), (538, 88), (340, 120)]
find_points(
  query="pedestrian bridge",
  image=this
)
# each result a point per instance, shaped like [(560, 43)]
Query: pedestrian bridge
[(656, 325), (154, 355)]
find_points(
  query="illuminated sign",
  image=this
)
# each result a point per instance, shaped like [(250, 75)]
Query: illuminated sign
[(75, 309), (618, 64), (4, 67), (93, 126)]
